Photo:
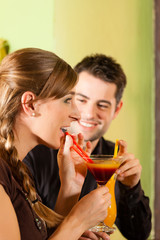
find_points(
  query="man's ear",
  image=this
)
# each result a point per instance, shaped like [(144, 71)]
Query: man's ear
[(27, 103), (118, 108)]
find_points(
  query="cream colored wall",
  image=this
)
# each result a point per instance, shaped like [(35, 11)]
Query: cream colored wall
[(122, 29)]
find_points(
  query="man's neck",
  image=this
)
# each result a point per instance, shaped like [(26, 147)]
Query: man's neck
[(93, 144)]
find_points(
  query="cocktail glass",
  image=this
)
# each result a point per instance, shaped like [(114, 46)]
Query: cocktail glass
[(103, 169)]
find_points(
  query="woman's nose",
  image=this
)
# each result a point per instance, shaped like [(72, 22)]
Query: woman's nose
[(75, 115)]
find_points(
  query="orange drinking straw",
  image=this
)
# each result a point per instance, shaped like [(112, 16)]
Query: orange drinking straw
[(116, 149), (79, 150)]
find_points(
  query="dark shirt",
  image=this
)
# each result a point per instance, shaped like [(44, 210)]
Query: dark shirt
[(133, 211), (31, 227)]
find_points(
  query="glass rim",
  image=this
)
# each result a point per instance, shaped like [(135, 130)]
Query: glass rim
[(101, 155), (105, 157)]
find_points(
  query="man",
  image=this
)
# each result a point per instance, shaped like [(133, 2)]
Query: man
[(99, 100)]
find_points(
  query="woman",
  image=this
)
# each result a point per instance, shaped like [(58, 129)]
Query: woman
[(36, 102)]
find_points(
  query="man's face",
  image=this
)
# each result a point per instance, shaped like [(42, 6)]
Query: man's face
[(96, 102)]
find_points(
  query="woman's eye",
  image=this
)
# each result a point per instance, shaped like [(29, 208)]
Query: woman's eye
[(68, 100)]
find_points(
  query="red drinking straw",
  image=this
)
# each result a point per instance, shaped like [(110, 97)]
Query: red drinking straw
[(79, 150)]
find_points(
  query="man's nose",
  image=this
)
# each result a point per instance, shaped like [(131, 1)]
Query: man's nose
[(89, 111)]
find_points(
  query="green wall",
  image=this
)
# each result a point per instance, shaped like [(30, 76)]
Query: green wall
[(27, 23), (122, 29)]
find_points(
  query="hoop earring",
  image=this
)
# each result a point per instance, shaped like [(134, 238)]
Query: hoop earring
[(33, 114)]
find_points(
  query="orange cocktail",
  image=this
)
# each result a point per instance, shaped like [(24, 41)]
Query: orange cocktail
[(112, 209), (103, 169)]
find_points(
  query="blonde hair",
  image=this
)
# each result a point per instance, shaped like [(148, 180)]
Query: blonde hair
[(46, 75)]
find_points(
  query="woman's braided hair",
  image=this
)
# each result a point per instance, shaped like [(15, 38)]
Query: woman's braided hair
[(46, 75)]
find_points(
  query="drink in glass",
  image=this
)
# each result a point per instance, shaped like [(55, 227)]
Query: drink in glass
[(103, 169)]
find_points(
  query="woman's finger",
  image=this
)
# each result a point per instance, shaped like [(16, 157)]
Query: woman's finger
[(68, 143), (88, 149), (102, 235), (80, 140), (61, 149), (89, 235)]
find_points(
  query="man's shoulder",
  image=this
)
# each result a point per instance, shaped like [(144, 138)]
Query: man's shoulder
[(40, 155)]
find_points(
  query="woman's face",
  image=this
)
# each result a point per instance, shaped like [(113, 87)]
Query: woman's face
[(53, 115)]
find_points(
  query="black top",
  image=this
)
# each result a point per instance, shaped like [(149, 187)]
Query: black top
[(133, 211)]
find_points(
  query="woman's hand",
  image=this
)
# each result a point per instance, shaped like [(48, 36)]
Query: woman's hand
[(129, 172), (89, 235), (92, 208), (72, 168), (89, 211), (72, 172)]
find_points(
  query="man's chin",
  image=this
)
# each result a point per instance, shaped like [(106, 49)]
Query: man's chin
[(90, 138)]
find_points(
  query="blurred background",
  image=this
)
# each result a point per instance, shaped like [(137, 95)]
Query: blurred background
[(119, 28)]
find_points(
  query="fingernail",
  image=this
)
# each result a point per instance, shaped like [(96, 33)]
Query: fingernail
[(118, 171), (107, 238), (122, 174), (67, 138)]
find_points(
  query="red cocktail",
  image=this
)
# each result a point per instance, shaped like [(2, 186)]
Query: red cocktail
[(102, 170)]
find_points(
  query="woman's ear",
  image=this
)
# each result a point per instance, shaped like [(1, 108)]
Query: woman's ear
[(27, 103)]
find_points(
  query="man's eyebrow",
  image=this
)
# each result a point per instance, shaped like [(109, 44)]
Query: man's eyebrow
[(82, 95)]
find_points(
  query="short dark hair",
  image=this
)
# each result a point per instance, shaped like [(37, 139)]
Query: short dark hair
[(105, 68)]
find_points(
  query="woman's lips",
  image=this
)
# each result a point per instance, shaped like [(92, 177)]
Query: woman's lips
[(64, 130)]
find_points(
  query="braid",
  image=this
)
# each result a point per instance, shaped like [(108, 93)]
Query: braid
[(51, 218)]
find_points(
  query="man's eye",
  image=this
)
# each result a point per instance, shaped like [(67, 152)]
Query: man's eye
[(103, 106), (80, 100)]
